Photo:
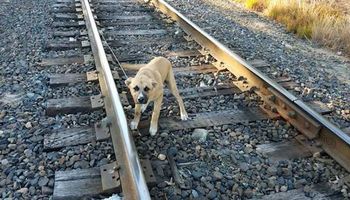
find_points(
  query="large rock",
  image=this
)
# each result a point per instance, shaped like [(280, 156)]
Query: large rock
[(200, 134)]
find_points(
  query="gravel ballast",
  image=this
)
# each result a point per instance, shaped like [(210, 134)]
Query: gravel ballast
[(223, 162), (27, 170), (220, 162), (323, 75)]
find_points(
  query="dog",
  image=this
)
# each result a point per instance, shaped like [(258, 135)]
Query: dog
[(147, 86)]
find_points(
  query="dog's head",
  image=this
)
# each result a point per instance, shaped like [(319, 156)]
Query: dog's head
[(141, 88)]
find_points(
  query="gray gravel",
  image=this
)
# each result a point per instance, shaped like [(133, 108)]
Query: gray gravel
[(225, 162), (24, 26), (26, 170), (226, 165), (254, 37), (222, 162)]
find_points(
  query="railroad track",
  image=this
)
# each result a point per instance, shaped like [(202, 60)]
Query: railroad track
[(224, 95)]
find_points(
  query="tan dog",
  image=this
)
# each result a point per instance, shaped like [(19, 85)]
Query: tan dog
[(147, 86)]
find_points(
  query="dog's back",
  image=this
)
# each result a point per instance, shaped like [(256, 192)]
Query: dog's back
[(160, 65)]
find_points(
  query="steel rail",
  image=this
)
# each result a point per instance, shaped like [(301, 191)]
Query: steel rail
[(334, 141), (134, 186)]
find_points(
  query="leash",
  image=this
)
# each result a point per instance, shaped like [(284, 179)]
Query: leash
[(113, 54)]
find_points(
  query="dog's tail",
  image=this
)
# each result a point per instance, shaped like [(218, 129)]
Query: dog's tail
[(133, 67)]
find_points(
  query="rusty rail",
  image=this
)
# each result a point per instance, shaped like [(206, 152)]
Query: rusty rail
[(333, 140), (129, 168)]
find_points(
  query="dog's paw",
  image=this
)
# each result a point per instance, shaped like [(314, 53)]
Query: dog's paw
[(133, 125), (153, 130), (184, 116)]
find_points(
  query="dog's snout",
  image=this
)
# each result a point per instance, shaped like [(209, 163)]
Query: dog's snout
[(142, 99)]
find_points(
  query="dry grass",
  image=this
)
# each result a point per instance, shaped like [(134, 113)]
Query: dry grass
[(333, 33), (297, 18), (319, 20), (257, 5)]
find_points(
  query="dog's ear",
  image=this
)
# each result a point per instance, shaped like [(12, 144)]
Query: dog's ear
[(128, 81), (154, 84)]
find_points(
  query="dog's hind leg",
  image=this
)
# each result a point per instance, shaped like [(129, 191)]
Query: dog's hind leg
[(155, 115), (173, 89), (135, 122)]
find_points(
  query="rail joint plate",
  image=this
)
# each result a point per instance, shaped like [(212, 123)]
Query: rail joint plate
[(148, 172), (102, 129), (110, 177), (85, 43), (96, 101), (92, 76)]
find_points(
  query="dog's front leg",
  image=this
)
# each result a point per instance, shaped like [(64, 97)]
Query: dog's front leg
[(155, 115), (144, 107), (135, 122)]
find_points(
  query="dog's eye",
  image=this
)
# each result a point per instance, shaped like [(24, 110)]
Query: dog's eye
[(136, 88), (146, 89)]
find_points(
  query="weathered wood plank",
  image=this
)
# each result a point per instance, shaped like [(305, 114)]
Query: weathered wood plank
[(65, 1), (136, 32), (152, 23), (132, 67), (63, 45), (69, 137), (69, 24), (198, 69), (213, 92), (65, 79), (321, 191), (291, 149), (67, 16), (117, 8), (142, 42), (135, 57), (87, 183), (184, 53), (74, 105), (68, 106), (77, 174), (88, 58), (119, 2), (72, 10), (77, 184), (101, 1), (71, 33), (208, 119), (200, 92), (63, 5), (124, 17), (64, 60)]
